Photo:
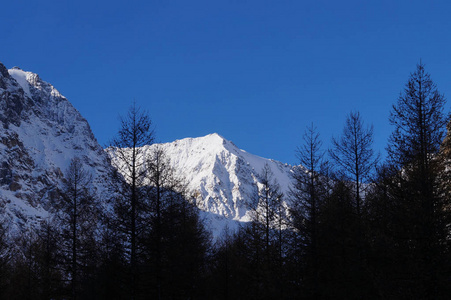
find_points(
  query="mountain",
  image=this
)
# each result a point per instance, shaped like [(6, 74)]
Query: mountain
[(40, 133), (222, 177)]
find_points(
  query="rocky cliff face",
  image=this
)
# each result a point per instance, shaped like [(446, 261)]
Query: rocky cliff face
[(40, 132)]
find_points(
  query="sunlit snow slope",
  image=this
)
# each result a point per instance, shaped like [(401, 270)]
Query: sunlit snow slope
[(221, 176)]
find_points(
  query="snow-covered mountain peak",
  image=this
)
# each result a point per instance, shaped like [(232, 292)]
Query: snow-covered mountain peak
[(214, 135), (210, 144), (32, 84), (213, 140), (41, 133), (222, 177)]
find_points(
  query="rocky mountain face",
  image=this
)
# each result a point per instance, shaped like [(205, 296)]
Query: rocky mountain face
[(40, 132)]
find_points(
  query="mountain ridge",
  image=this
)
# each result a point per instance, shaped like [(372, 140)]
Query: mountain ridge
[(223, 177)]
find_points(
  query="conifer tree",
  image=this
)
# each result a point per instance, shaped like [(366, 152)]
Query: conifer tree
[(354, 156), (420, 229), (135, 132), (355, 163), (308, 192), (77, 221), (36, 270), (340, 275), (265, 232), (175, 243)]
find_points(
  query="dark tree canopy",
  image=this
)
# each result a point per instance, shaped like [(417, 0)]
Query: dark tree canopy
[(77, 222), (411, 200)]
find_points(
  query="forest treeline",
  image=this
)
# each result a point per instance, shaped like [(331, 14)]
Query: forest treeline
[(355, 227)]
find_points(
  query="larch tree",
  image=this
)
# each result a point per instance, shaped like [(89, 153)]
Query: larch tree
[(307, 193), (422, 206), (160, 184), (135, 132), (77, 220), (354, 156), (175, 242), (355, 162), (265, 205)]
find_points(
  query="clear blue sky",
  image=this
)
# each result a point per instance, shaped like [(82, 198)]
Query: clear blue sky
[(256, 72)]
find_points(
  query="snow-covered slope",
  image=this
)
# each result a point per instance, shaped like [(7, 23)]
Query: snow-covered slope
[(40, 132), (221, 176)]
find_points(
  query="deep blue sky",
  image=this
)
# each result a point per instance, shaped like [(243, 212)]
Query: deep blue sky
[(256, 72)]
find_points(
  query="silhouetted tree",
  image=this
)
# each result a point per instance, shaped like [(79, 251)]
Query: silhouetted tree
[(339, 268), (266, 205), (265, 233), (422, 217), (356, 162), (175, 243), (307, 193), (36, 270), (111, 281), (381, 217), (354, 156), (235, 266), (134, 133), (77, 218)]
